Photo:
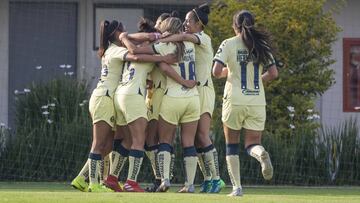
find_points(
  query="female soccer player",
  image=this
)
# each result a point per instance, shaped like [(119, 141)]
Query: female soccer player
[(180, 105), (195, 22), (131, 109), (242, 59), (101, 104)]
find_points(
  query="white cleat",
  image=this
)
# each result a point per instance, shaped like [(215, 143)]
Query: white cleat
[(236, 193)]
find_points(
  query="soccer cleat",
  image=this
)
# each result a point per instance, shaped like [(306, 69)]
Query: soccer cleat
[(132, 186), (216, 186), (205, 186), (266, 166), (112, 183), (96, 187), (236, 192), (154, 186), (187, 189), (80, 184), (164, 186)]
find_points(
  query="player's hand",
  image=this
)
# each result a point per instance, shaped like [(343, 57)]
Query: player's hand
[(149, 84), (123, 35), (189, 83), (170, 59), (165, 34)]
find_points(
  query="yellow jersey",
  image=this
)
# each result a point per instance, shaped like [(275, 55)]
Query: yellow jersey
[(185, 68), (134, 78), (204, 56), (244, 84), (111, 68), (158, 78)]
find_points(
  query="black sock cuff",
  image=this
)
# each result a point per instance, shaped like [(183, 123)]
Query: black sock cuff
[(189, 151), (136, 153), (232, 149), (94, 156), (208, 148), (165, 147)]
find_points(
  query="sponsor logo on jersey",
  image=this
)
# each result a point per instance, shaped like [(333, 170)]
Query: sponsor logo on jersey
[(251, 92)]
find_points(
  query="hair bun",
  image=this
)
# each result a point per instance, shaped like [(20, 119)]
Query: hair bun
[(205, 8), (174, 14)]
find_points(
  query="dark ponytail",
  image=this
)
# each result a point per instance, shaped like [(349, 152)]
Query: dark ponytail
[(107, 34), (201, 14), (257, 41)]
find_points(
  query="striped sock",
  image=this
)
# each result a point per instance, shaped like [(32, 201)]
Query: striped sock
[(94, 167), (119, 156), (85, 170), (209, 156), (164, 159), (135, 162), (151, 154), (204, 170)]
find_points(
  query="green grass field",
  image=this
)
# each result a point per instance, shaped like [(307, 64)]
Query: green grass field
[(62, 192)]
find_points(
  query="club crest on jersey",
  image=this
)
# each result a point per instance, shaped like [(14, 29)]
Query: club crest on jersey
[(242, 55)]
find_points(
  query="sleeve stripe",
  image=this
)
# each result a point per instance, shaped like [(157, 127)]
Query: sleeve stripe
[(153, 47), (269, 65), (199, 41), (219, 61), (124, 57)]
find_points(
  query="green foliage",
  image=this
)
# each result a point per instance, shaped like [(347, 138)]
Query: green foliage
[(53, 132), (302, 33)]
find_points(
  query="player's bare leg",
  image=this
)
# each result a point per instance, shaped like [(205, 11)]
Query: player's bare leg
[(255, 149)]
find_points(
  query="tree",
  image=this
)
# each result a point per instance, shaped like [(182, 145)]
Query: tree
[(302, 33)]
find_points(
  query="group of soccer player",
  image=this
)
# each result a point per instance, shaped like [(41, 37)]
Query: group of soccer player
[(159, 79)]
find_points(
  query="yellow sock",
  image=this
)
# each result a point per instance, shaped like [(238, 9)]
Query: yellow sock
[(85, 170), (151, 154), (104, 169), (135, 162), (116, 164), (210, 159), (190, 163), (94, 168), (164, 159), (256, 151), (204, 170), (233, 165)]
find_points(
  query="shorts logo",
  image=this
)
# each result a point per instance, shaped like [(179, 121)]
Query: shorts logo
[(112, 119)]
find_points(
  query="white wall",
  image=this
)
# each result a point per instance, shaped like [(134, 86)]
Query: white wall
[(4, 60), (87, 61), (331, 103)]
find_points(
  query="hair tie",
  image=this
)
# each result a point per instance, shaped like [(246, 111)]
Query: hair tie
[(198, 18), (113, 32)]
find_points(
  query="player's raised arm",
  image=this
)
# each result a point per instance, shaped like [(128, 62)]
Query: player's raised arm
[(181, 37)]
